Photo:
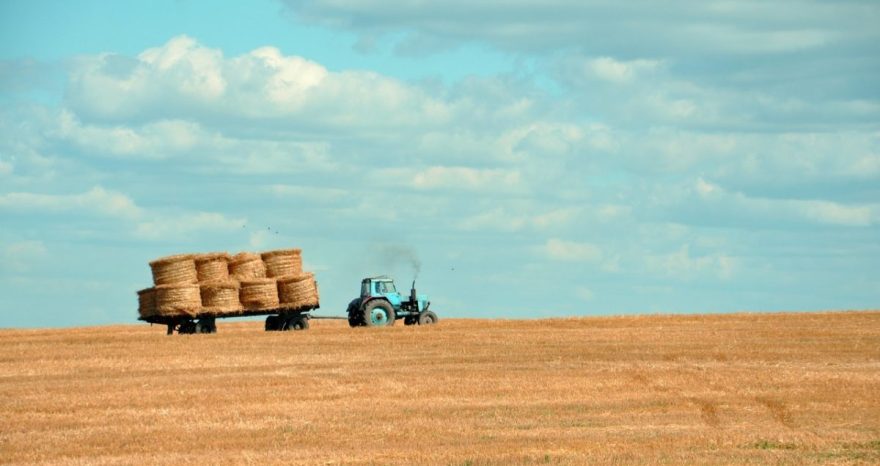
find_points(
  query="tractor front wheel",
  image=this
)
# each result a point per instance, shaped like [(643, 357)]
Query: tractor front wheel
[(427, 318), (377, 313)]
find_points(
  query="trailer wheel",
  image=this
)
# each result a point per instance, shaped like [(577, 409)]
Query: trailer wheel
[(354, 313), (296, 323), (427, 318), (272, 323), (187, 327), (376, 313), (206, 325)]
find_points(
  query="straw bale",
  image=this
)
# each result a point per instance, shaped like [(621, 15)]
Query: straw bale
[(220, 296), (259, 293), (283, 262), (298, 291), (179, 269), (212, 267), (147, 302), (178, 300), (247, 266)]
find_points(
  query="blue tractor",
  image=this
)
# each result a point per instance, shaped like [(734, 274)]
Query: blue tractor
[(380, 304)]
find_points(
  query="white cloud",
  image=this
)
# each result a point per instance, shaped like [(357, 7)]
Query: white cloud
[(315, 194), (832, 213), (685, 27), (23, 256), (737, 204), (141, 223), (617, 71), (571, 251), (97, 201), (494, 219), (511, 218), (441, 177), (584, 293), (184, 225), (681, 264), (184, 80), (159, 139)]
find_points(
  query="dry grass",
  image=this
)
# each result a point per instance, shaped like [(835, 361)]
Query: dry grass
[(730, 389)]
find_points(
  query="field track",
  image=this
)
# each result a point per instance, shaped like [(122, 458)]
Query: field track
[(721, 389)]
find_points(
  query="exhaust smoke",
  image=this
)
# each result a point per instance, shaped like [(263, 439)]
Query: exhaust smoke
[(396, 255)]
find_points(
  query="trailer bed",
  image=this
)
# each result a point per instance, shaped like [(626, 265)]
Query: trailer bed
[(186, 323)]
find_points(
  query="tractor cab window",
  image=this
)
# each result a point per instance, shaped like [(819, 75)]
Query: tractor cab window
[(365, 289), (385, 287)]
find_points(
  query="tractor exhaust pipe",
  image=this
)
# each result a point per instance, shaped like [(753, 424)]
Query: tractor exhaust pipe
[(412, 292)]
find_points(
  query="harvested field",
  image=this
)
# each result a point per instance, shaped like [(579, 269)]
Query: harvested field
[(722, 389)]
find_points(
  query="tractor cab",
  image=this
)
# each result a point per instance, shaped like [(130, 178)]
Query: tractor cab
[(381, 288), (381, 304)]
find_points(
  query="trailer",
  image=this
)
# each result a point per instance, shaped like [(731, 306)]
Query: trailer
[(277, 319)]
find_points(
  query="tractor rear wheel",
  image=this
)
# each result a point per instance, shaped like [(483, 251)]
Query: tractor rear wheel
[(427, 318), (377, 312)]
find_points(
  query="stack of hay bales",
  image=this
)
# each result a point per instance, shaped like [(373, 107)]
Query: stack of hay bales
[(219, 284)]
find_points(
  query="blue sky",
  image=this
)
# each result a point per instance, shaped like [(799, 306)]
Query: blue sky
[(537, 158)]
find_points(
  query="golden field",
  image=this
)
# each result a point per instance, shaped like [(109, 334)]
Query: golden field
[(800, 388)]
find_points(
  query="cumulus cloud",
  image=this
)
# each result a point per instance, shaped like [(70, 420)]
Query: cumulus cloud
[(181, 226), (704, 28), (518, 217), (184, 79), (441, 177), (707, 202), (23, 256), (681, 264), (159, 139), (617, 71), (94, 201), (571, 251), (149, 224)]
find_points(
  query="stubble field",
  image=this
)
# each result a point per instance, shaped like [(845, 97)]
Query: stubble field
[(722, 389)]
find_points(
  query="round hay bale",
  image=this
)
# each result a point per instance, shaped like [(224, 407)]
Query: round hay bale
[(220, 297), (179, 269), (259, 293), (283, 262), (147, 302), (178, 300), (247, 266), (212, 267), (298, 291)]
